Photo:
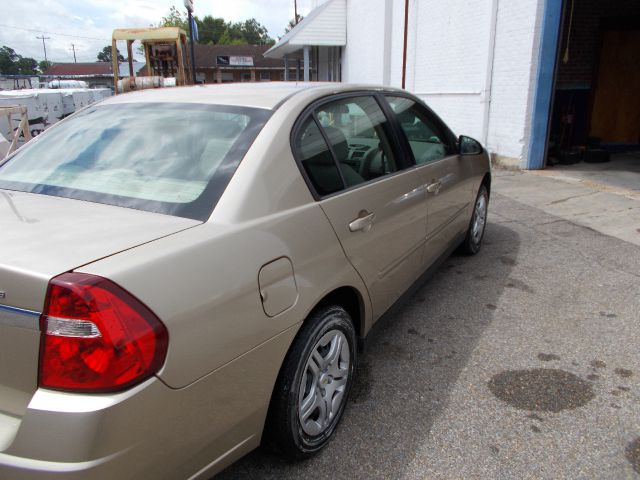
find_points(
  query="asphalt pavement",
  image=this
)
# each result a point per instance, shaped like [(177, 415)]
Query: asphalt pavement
[(520, 362)]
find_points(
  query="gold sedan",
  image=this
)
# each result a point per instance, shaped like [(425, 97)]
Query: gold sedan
[(186, 273)]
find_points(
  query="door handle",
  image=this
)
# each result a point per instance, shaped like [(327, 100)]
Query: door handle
[(363, 222), (434, 187)]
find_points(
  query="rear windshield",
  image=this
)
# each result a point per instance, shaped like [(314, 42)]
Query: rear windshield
[(175, 159)]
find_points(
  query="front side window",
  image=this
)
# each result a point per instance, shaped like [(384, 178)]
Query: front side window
[(168, 158), (427, 142)]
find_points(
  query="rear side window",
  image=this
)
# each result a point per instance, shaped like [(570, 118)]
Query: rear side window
[(168, 158), (317, 160), (344, 143), (427, 141)]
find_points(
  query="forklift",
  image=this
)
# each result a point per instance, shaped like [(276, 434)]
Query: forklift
[(168, 62)]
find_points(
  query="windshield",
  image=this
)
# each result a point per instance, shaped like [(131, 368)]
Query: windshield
[(175, 159)]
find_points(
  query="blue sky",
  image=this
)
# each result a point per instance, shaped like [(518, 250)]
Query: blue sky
[(65, 21)]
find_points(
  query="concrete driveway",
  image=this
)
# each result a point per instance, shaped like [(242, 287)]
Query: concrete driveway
[(520, 362)]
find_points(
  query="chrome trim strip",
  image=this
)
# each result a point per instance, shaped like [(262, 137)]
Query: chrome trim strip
[(19, 318)]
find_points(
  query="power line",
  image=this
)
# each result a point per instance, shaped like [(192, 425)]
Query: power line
[(53, 33)]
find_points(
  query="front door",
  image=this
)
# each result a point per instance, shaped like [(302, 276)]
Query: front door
[(445, 174)]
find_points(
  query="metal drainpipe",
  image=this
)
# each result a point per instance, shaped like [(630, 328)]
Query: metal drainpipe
[(404, 46), (489, 73)]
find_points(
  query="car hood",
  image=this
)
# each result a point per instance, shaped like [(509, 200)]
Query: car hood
[(42, 236)]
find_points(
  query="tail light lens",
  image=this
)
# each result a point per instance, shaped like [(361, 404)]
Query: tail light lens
[(97, 337)]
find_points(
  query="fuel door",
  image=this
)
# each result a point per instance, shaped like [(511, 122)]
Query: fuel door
[(278, 290)]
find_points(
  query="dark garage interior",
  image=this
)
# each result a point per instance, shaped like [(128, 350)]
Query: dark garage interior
[(595, 113)]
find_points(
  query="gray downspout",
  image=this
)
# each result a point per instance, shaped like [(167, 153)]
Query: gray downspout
[(489, 73)]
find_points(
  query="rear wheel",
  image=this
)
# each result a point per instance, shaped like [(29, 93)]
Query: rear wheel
[(313, 386), (473, 240)]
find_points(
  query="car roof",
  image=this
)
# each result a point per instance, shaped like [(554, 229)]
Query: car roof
[(251, 94)]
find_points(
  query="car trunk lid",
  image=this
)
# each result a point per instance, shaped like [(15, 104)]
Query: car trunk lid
[(43, 236)]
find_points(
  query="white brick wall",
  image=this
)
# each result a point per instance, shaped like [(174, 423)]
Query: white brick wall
[(448, 61), (514, 70), (363, 57)]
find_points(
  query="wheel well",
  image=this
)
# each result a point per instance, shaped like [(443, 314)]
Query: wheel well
[(350, 299), (486, 181)]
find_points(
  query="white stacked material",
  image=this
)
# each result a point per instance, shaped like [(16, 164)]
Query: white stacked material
[(67, 84), (46, 106), (82, 98), (36, 110), (4, 146), (68, 107), (143, 83), (104, 92), (51, 99)]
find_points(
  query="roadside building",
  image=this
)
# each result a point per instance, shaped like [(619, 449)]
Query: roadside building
[(237, 63), (536, 81)]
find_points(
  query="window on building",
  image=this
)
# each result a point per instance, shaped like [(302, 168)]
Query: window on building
[(245, 77), (265, 76)]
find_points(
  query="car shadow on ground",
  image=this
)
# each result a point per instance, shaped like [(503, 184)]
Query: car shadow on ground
[(412, 360)]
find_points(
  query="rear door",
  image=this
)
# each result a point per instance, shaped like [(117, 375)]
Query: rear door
[(373, 201), (445, 174)]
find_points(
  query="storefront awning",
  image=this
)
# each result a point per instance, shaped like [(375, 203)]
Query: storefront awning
[(326, 25)]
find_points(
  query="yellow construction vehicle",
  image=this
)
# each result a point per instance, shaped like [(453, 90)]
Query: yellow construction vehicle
[(166, 55)]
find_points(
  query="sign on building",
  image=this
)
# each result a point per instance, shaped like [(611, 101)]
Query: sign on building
[(234, 61)]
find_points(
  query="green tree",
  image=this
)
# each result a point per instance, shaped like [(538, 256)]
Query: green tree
[(210, 29), (105, 55), (228, 38), (44, 65), (292, 23), (27, 66), (254, 33), (8, 61), (175, 18), (214, 30)]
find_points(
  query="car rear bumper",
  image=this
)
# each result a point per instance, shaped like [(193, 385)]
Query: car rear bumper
[(81, 436), (148, 431)]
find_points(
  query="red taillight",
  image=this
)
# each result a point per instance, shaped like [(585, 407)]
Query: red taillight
[(97, 337)]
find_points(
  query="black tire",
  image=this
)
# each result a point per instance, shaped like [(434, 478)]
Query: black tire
[(284, 431), (472, 241)]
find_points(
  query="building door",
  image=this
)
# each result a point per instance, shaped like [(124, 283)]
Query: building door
[(615, 117)]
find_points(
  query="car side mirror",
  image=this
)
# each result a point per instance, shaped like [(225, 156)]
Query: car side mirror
[(469, 146)]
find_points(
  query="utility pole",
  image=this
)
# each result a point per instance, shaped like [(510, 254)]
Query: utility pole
[(43, 38), (295, 12), (73, 47)]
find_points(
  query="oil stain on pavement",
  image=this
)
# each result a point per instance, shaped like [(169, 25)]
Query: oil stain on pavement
[(633, 454), (541, 389), (547, 357), (623, 372)]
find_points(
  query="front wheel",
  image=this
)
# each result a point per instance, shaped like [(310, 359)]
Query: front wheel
[(475, 232), (312, 389)]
